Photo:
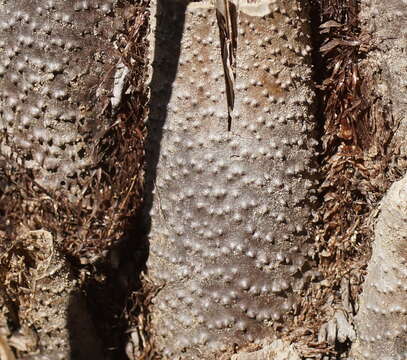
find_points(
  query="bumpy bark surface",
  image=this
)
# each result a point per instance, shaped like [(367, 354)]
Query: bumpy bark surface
[(229, 213), (382, 318), (39, 114), (230, 210), (69, 137), (52, 312), (72, 104), (386, 23), (381, 321)]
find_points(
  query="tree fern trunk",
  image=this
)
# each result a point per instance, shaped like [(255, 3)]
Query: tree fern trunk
[(230, 209), (382, 320), (71, 146)]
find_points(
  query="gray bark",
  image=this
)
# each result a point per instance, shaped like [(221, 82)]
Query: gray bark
[(49, 104), (386, 24), (61, 83), (382, 321), (382, 317), (230, 209)]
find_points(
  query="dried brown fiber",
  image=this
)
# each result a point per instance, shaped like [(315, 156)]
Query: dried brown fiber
[(357, 169), (72, 112), (72, 140)]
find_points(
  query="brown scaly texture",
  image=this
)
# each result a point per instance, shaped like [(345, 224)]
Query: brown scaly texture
[(229, 213), (358, 126), (381, 321), (71, 112), (51, 311), (72, 106), (357, 130)]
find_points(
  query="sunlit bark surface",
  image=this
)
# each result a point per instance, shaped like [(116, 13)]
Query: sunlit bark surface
[(230, 209)]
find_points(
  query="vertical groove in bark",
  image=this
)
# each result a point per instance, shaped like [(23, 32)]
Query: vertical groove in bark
[(381, 321), (356, 166), (230, 209)]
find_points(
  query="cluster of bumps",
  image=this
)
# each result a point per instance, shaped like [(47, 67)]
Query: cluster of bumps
[(229, 212), (230, 209)]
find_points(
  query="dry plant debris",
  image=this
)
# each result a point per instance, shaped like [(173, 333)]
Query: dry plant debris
[(79, 162), (88, 221), (71, 141), (356, 169)]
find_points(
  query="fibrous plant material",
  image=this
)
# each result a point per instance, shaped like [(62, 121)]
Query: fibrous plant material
[(356, 132), (228, 247), (381, 321), (277, 350), (382, 318), (71, 113), (226, 15), (52, 313), (72, 107), (356, 167), (386, 23)]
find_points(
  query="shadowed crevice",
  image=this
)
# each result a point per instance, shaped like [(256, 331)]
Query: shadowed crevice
[(84, 342), (168, 35), (127, 293)]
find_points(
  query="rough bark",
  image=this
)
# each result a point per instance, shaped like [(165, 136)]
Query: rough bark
[(382, 318), (381, 321), (230, 209), (71, 114), (68, 134), (51, 310), (386, 24)]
